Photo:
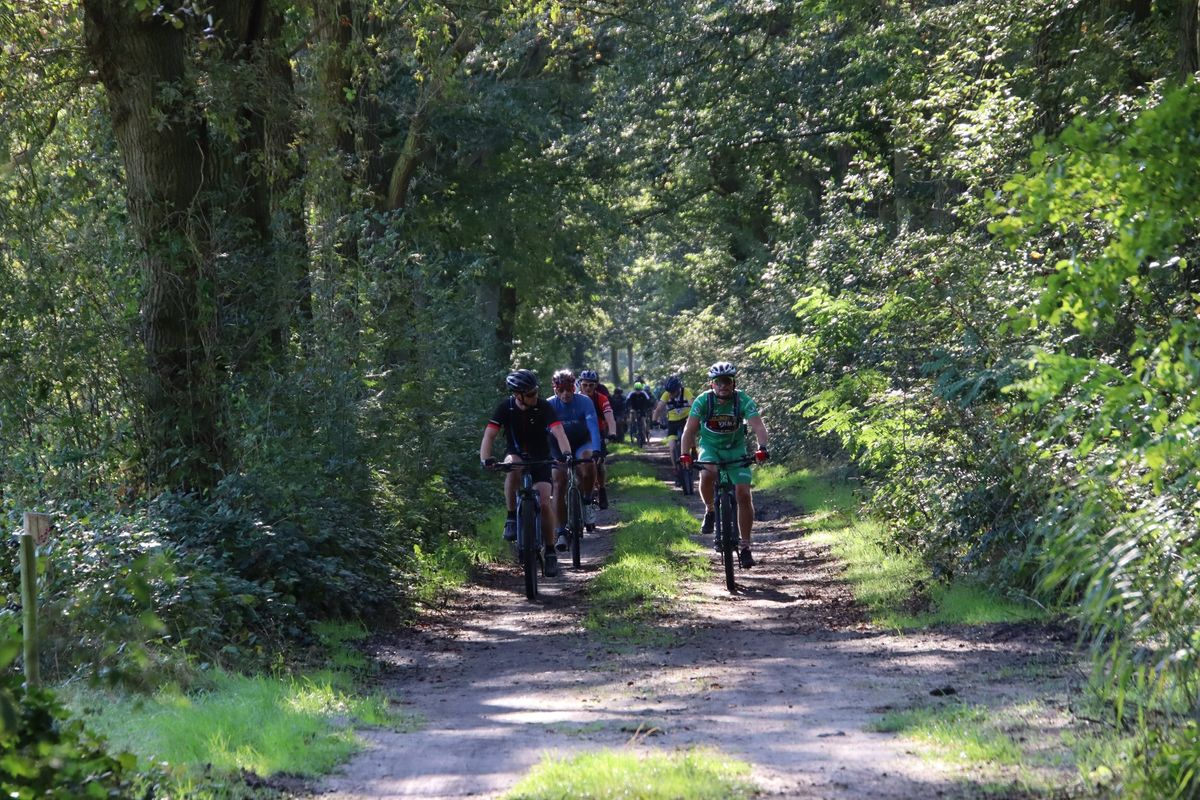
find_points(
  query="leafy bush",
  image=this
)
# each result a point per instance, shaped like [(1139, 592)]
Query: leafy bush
[(45, 753)]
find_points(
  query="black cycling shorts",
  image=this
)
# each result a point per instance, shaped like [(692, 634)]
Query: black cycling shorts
[(539, 473)]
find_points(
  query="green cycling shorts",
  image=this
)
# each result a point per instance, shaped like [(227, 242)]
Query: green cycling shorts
[(739, 475)]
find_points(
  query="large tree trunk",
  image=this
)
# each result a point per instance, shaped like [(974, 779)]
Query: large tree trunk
[(1189, 51), (164, 145)]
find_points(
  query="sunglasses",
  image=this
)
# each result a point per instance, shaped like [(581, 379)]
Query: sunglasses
[(723, 381), (587, 385), (531, 395), (565, 387)]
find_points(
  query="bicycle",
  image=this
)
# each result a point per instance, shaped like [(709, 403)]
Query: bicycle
[(684, 478), (726, 508), (529, 523), (642, 428), (574, 507)]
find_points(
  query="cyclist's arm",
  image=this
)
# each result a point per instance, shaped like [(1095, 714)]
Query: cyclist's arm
[(688, 440), (610, 419), (489, 437), (660, 410), (560, 436), (760, 431)]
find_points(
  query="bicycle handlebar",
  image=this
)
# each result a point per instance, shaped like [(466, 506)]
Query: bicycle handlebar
[(509, 466), (744, 461)]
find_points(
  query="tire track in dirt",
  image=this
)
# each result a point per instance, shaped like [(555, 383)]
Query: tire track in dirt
[(786, 675)]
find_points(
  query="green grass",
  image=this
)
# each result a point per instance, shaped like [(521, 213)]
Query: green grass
[(956, 732), (447, 564), (266, 725), (885, 577), (612, 774), (653, 554)]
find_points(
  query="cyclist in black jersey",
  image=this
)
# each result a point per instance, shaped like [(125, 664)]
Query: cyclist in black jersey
[(526, 419)]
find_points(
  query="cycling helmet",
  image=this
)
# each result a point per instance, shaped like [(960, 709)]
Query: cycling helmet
[(521, 380), (564, 377), (589, 375), (673, 384), (722, 369), (637, 386)]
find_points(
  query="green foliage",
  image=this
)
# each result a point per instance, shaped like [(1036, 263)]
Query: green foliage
[(46, 753)]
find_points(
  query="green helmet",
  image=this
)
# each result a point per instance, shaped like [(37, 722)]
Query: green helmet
[(637, 385)]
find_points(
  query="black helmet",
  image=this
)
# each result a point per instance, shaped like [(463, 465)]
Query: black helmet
[(722, 369), (564, 377), (673, 384), (589, 375), (521, 380)]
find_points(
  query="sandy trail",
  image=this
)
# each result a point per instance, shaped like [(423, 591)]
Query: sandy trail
[(785, 675)]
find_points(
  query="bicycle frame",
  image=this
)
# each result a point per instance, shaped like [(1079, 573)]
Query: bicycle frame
[(529, 523), (726, 512), (575, 507)]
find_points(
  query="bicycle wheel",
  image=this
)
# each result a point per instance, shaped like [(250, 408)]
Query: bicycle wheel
[(641, 432), (727, 519), (689, 479), (528, 521), (575, 522)]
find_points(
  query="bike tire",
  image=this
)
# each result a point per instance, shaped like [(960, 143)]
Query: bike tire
[(575, 522), (727, 519), (527, 519), (689, 481)]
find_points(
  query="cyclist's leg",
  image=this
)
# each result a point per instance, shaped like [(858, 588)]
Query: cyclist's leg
[(512, 481), (560, 493), (587, 472), (745, 505), (548, 515)]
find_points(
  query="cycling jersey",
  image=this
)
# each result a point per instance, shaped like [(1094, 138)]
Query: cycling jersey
[(721, 422), (601, 402), (579, 422), (525, 429), (638, 400), (677, 407)]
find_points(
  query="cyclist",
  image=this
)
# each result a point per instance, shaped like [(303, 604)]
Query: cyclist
[(639, 403), (528, 422), (717, 416), (582, 432), (589, 384), (617, 398), (672, 410)]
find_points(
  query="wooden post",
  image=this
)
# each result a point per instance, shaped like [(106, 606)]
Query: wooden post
[(37, 530)]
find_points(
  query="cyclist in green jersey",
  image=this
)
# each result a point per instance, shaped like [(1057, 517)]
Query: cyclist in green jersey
[(717, 416)]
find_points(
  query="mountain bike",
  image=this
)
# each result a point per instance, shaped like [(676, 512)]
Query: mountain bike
[(642, 428), (726, 508), (574, 507), (529, 524), (684, 478)]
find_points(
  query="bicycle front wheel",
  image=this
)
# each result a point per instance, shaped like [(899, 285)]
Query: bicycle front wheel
[(689, 479), (527, 518), (727, 520), (575, 522)]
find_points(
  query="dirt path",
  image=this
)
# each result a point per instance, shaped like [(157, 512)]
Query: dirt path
[(786, 675)]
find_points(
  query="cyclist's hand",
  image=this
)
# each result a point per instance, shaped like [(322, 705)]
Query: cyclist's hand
[(612, 437), (488, 463), (563, 458), (686, 460), (760, 455)]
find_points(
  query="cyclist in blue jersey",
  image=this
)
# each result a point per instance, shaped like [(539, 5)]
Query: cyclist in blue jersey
[(577, 414)]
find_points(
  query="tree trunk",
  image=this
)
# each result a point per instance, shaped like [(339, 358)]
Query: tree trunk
[(164, 145), (613, 367), (1189, 51)]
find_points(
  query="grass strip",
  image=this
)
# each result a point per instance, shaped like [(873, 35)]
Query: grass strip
[(652, 555), (700, 774), (266, 725), (885, 578), (956, 732)]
